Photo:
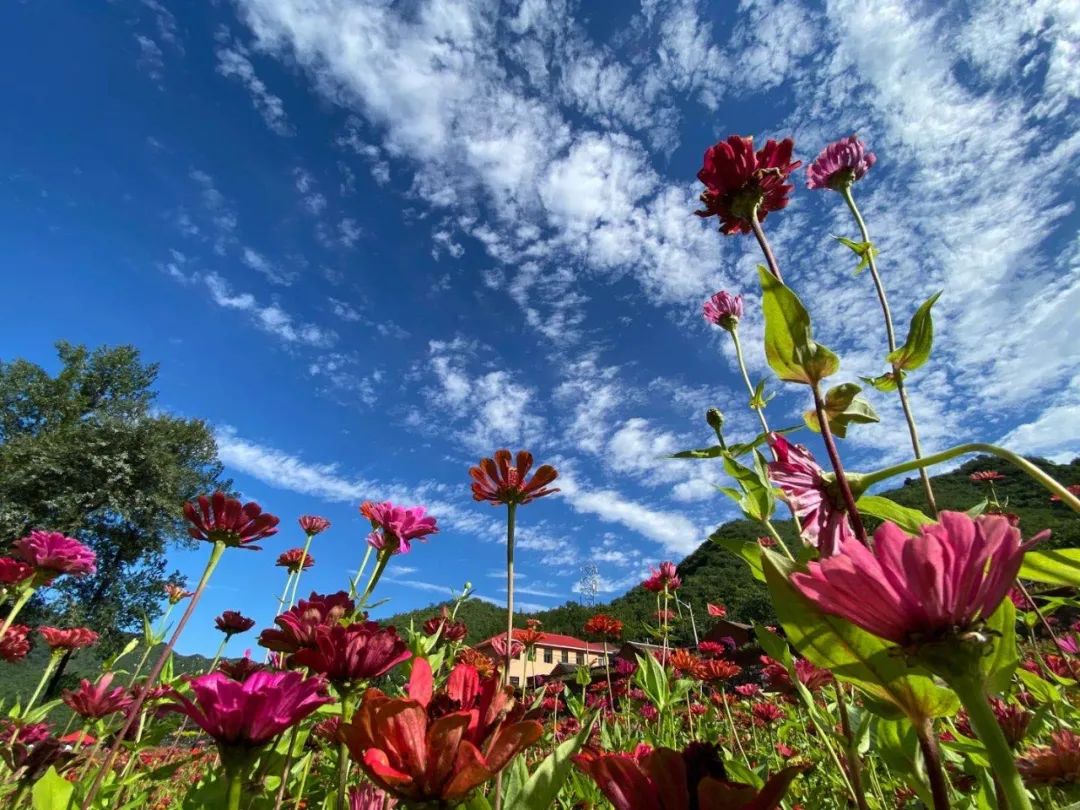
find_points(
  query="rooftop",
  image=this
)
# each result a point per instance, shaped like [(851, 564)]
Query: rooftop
[(559, 641)]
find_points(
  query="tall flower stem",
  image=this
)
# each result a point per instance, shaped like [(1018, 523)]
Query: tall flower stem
[(766, 248), (359, 573), (511, 516), (343, 755), (890, 333), (285, 593), (20, 603), (300, 570), (1067, 498), (54, 659), (376, 574), (135, 673), (837, 465), (218, 654), (928, 745), (851, 753), (151, 679), (981, 716), (235, 789)]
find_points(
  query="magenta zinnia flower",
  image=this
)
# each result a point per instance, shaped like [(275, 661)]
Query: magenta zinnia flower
[(912, 590), (840, 164), (723, 309), (249, 714), (497, 481), (805, 488), (53, 554), (313, 524), (15, 643), (96, 700), (232, 622), (357, 652), (296, 627), (739, 181), (666, 576), (225, 520), (394, 526), (14, 572), (498, 644)]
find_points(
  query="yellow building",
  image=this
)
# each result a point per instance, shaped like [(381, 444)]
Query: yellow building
[(552, 649)]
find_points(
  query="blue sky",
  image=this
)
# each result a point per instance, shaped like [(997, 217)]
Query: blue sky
[(372, 241)]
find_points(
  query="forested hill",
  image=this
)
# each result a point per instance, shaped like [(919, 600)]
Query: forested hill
[(712, 574)]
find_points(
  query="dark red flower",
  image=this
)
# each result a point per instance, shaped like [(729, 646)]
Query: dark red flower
[(14, 572), (96, 700), (497, 482), (765, 714), (740, 183), (293, 559), (313, 525), (221, 519), (1054, 764), (240, 669), (15, 643), (418, 757), (357, 652), (231, 622), (74, 638), (445, 624), (716, 669), (603, 626), (296, 627)]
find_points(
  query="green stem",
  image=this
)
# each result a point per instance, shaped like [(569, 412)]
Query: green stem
[(300, 570), (217, 655), (285, 594), (511, 519), (766, 248), (985, 724), (360, 572), (779, 540), (54, 659), (838, 467), (869, 479), (890, 332), (24, 597), (376, 574), (236, 788), (851, 754), (343, 756), (935, 774)]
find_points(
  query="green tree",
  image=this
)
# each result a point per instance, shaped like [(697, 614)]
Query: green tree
[(86, 453)]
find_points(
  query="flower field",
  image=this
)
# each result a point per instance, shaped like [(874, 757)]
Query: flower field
[(922, 657)]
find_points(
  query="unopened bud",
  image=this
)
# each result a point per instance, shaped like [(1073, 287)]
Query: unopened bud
[(715, 419)]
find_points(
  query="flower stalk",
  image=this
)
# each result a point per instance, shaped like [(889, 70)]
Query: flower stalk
[(300, 570), (20, 603), (838, 467), (766, 248)]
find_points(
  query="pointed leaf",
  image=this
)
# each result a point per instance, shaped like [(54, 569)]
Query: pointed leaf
[(885, 382), (789, 343), (843, 406), (908, 519), (705, 452), (52, 791), (1058, 567), (544, 784), (920, 339)]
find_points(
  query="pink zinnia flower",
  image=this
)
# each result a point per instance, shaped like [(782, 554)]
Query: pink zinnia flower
[(911, 590), (666, 576), (53, 554), (806, 489), (96, 700), (357, 652), (313, 524), (498, 644), (297, 626), (724, 310), (225, 520), (394, 526), (15, 643), (719, 611), (496, 481), (232, 622), (1054, 764), (14, 572), (986, 475), (739, 181), (840, 164), (74, 638), (251, 713), (292, 558)]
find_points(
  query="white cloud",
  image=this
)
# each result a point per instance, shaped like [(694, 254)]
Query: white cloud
[(233, 63), (270, 318), (273, 273)]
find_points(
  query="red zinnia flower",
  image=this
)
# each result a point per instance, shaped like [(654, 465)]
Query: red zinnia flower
[(720, 611), (497, 482), (419, 757), (712, 649), (603, 626), (94, 701), (53, 554), (225, 520), (986, 475), (231, 623), (483, 665), (530, 637), (394, 526), (451, 630), (357, 652), (716, 669), (805, 488), (724, 310), (748, 690), (292, 558), (684, 661), (766, 714), (296, 627), (15, 643), (1054, 764), (241, 669), (740, 183), (14, 572), (74, 638), (665, 576), (313, 524), (1073, 489), (840, 164)]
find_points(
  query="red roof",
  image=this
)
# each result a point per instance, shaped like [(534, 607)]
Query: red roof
[(556, 640)]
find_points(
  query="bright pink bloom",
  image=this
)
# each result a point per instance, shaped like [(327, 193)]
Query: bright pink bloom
[(313, 524), (498, 482), (251, 713), (296, 627), (74, 638), (748, 690), (14, 572), (220, 518), (231, 622), (15, 643), (94, 701), (666, 576), (910, 590), (806, 489), (739, 181), (840, 164), (394, 526), (724, 310), (53, 554), (291, 559), (357, 652), (1069, 644)]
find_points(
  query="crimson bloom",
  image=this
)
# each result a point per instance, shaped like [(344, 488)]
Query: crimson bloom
[(246, 715), (498, 482), (498, 644), (357, 652), (603, 626), (294, 559), (231, 622), (221, 519), (313, 524), (719, 611), (692, 779), (96, 700), (53, 554), (241, 669), (451, 629), (416, 750), (912, 590), (840, 164), (74, 638), (1054, 764), (724, 310), (296, 627), (394, 526), (666, 576), (14, 572), (806, 489), (15, 643), (741, 183)]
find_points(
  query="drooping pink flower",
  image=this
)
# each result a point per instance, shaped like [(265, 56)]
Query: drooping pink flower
[(496, 481), (313, 524), (53, 554), (911, 590), (250, 713), (498, 644), (393, 527), (176, 593), (739, 182), (293, 559), (96, 700), (232, 622), (14, 572), (220, 518), (296, 627), (840, 164), (805, 488), (74, 638), (666, 576), (724, 310), (358, 652), (15, 643)]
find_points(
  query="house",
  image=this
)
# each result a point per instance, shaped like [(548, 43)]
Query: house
[(549, 652)]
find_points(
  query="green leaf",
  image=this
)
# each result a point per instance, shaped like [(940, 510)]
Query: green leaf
[(908, 519), (705, 452), (747, 551), (789, 343), (852, 654), (758, 499), (920, 339), (652, 679), (885, 382), (1060, 566), (544, 784), (999, 666), (52, 791), (864, 250), (843, 406), (897, 744), (1044, 691)]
